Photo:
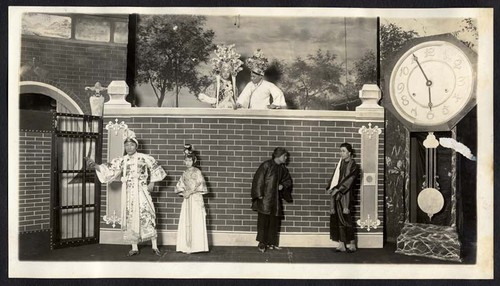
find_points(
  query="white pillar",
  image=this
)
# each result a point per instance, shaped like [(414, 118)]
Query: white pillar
[(117, 90), (369, 219), (114, 189), (370, 111)]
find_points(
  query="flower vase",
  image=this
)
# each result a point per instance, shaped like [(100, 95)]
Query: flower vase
[(96, 105)]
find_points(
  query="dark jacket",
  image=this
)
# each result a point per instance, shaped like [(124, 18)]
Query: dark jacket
[(345, 185), (265, 184)]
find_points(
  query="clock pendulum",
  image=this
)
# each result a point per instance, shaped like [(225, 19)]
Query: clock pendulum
[(427, 236), (430, 200)]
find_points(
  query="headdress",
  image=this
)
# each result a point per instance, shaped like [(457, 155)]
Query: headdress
[(129, 135), (257, 63), (226, 57), (189, 152)]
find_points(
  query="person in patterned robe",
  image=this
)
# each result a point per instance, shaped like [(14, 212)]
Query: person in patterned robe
[(138, 173), (226, 92), (225, 66), (192, 231)]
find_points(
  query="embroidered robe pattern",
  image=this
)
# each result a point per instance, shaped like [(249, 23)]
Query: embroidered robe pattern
[(137, 209)]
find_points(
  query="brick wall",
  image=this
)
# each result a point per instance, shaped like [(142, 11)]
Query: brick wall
[(231, 150), (72, 65), (34, 180)]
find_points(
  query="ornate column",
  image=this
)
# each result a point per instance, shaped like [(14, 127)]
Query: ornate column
[(370, 113), (369, 178), (113, 194), (117, 90)]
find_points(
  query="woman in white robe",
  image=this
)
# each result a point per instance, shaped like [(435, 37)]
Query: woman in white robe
[(192, 230), (137, 209)]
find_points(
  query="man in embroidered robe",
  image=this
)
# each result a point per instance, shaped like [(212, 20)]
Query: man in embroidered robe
[(340, 188), (138, 173)]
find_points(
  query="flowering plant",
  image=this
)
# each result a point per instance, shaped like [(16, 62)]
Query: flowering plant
[(226, 58)]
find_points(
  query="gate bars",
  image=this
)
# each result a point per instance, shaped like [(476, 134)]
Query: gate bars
[(75, 190)]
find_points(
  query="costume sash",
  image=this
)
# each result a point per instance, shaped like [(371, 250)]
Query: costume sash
[(336, 177), (333, 184)]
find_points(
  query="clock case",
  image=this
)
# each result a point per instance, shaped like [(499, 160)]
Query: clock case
[(386, 99)]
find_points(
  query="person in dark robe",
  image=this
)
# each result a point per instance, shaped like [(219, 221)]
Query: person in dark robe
[(271, 184), (340, 188)]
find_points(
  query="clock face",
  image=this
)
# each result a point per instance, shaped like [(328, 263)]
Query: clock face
[(431, 83)]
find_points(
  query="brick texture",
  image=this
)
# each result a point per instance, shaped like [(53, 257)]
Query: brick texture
[(231, 150), (72, 65), (34, 180)]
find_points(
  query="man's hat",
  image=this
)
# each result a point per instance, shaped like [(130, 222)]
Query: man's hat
[(129, 135), (257, 63)]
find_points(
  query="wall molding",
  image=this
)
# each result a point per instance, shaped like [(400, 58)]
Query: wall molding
[(234, 238), (289, 114)]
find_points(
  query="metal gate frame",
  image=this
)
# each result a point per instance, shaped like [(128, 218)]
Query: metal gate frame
[(83, 174)]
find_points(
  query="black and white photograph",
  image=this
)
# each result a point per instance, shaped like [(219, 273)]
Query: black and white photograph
[(238, 142)]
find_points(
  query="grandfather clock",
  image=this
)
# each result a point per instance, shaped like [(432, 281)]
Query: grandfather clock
[(429, 87)]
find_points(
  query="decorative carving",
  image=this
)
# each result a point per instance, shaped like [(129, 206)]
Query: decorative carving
[(114, 220), (370, 131), (116, 126), (368, 223)]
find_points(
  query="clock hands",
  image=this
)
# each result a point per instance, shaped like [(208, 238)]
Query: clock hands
[(427, 81), (430, 100)]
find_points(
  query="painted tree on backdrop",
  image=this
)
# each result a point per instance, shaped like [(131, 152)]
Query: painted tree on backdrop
[(314, 82), (392, 38), (363, 72), (467, 33), (365, 69), (169, 47)]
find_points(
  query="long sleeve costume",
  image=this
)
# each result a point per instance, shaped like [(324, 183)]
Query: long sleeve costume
[(340, 201), (258, 96), (192, 230), (267, 199), (137, 209)]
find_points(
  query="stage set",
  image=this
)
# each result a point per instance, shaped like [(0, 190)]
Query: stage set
[(404, 99)]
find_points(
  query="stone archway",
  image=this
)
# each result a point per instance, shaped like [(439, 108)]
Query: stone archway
[(49, 90)]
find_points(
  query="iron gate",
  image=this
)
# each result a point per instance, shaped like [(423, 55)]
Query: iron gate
[(75, 190)]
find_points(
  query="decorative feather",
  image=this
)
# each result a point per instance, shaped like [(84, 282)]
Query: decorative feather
[(457, 146)]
